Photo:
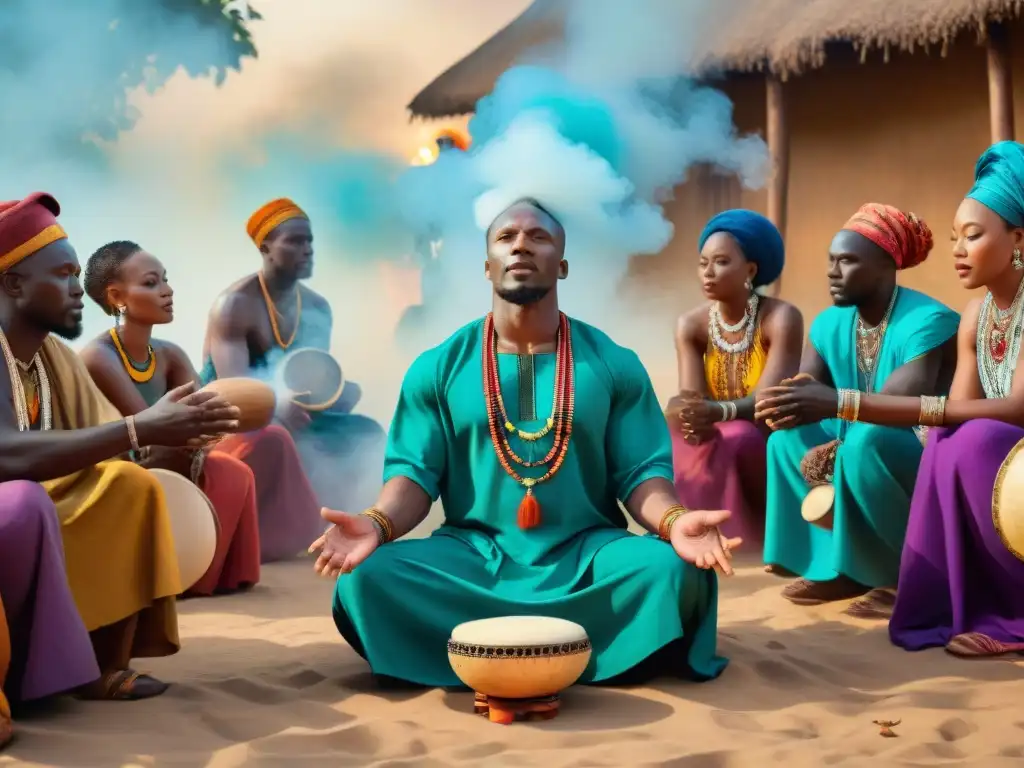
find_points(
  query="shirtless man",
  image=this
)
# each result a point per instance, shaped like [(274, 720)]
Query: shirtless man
[(261, 317)]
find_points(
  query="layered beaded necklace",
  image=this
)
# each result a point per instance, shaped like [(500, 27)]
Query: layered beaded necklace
[(25, 413), (273, 313), (998, 344), (868, 343), (737, 353), (140, 373), (560, 421)]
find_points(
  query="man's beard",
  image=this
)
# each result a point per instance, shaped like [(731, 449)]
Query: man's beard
[(67, 332), (523, 295)]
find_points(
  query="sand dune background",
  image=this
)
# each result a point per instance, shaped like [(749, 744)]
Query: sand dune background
[(265, 680)]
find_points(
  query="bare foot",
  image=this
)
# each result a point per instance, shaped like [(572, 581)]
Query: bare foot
[(806, 592)]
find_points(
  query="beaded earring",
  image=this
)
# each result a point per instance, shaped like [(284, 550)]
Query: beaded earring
[(1018, 259)]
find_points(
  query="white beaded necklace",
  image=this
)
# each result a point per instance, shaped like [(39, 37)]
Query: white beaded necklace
[(748, 324), (18, 388)]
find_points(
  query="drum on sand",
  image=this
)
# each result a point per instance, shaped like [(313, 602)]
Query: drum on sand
[(194, 525), (518, 665), (1008, 501), (314, 378)]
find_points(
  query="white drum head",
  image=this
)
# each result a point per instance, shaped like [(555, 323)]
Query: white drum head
[(193, 524), (1008, 501), (519, 631), (817, 506)]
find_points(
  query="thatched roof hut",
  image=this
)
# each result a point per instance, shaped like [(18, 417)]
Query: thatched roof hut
[(858, 100), (784, 37)]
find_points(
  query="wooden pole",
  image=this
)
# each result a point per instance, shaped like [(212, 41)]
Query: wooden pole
[(1000, 83), (778, 150)]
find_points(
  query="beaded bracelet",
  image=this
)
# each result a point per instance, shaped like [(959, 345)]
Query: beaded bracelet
[(672, 514), (385, 530)]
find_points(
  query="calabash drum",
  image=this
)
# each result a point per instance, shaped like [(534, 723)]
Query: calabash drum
[(194, 525), (254, 398), (314, 377), (817, 506), (518, 665), (1008, 501)]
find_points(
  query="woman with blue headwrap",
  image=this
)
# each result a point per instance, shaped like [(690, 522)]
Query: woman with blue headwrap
[(960, 586), (727, 349)]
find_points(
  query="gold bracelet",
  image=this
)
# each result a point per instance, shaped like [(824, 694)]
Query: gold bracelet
[(849, 405), (672, 514), (387, 530), (933, 411), (133, 436), (841, 403), (855, 396)]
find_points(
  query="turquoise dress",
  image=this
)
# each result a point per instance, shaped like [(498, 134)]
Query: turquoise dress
[(342, 453), (632, 594), (876, 467)]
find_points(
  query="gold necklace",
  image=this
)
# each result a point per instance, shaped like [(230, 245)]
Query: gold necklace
[(139, 373), (272, 312), (21, 406)]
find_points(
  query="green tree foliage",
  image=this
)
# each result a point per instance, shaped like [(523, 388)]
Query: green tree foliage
[(67, 66)]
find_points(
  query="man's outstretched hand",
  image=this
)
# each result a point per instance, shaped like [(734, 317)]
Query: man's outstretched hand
[(348, 542), (697, 540)]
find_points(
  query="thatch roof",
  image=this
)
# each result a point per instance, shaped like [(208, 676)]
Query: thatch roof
[(782, 36)]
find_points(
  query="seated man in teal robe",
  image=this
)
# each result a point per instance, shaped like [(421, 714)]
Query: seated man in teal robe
[(876, 338), (528, 385)]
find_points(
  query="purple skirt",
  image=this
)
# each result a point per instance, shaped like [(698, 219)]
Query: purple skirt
[(955, 574), (50, 647)]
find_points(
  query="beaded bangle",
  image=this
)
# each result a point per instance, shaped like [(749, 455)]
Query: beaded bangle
[(386, 531), (672, 514), (133, 437), (933, 411)]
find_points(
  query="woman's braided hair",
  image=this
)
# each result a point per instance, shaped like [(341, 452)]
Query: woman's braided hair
[(104, 267)]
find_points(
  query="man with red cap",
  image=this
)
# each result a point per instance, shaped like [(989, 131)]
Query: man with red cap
[(85, 541), (877, 337), (253, 325)]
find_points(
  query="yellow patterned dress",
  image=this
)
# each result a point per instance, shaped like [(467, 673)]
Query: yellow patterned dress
[(728, 471)]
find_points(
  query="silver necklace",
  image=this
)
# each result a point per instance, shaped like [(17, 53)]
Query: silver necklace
[(997, 375), (18, 389), (747, 324), (873, 337)]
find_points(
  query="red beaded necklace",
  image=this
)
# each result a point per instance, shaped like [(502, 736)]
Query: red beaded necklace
[(562, 415)]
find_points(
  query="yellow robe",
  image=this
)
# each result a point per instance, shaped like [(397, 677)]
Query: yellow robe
[(118, 545)]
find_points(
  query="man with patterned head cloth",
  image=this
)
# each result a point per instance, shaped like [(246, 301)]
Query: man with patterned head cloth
[(252, 326), (103, 521), (877, 337)]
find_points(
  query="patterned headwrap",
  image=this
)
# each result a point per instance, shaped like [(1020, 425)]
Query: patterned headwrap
[(27, 226), (999, 181), (902, 235), (270, 216), (759, 240)]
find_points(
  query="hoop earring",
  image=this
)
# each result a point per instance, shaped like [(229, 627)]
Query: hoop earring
[(1018, 259)]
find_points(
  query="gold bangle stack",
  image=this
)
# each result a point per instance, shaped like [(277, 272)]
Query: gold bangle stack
[(672, 514), (849, 405), (387, 530), (933, 411)]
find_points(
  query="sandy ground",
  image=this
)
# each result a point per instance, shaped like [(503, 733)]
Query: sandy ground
[(265, 680)]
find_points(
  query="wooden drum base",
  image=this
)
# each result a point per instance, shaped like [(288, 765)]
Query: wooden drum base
[(506, 711)]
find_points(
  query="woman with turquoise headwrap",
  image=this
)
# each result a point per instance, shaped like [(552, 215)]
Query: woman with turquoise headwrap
[(959, 586), (727, 349)]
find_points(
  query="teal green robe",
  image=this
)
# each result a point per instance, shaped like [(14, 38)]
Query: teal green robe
[(876, 467), (632, 594)]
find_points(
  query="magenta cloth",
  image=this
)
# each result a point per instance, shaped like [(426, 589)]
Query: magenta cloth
[(50, 647), (726, 472), (955, 574)]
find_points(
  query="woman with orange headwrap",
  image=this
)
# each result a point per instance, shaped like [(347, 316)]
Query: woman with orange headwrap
[(877, 338)]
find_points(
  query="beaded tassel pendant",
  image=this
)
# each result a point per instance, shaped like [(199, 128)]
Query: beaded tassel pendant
[(529, 513)]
